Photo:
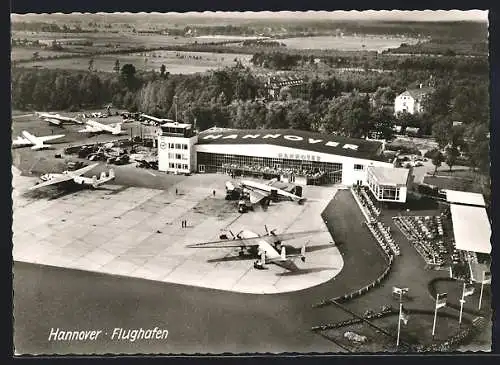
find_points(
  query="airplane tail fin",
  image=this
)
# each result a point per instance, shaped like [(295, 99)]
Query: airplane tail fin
[(263, 258), (303, 253), (297, 190), (118, 128), (283, 253), (272, 181), (95, 182)]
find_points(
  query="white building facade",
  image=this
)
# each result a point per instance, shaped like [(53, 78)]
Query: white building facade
[(388, 184), (411, 101), (177, 148), (298, 157)]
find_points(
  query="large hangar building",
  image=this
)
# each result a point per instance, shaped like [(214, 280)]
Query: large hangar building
[(293, 156)]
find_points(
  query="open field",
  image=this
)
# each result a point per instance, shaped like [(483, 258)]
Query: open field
[(345, 43), (18, 53), (175, 62), (102, 39)]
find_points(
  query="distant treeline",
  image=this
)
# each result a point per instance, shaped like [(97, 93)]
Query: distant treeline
[(286, 61), (465, 30), (443, 47), (45, 27)]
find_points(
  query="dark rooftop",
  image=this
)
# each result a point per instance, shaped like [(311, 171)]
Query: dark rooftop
[(308, 141)]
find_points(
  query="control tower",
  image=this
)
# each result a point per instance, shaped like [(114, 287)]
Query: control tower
[(176, 148)]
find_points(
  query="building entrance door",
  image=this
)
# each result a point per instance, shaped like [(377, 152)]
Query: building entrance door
[(201, 168)]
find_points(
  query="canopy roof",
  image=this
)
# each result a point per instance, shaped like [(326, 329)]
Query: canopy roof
[(471, 228)]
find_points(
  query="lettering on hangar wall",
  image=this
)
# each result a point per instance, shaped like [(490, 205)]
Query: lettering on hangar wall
[(288, 137)]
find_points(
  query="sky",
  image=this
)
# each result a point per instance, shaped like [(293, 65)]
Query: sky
[(414, 15)]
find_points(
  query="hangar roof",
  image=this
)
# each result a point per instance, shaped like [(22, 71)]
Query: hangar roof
[(471, 228), (308, 141), (464, 197)]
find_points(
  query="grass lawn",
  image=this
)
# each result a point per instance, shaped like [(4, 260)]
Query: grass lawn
[(453, 184)]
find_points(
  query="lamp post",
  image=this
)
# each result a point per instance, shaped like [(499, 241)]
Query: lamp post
[(175, 106)]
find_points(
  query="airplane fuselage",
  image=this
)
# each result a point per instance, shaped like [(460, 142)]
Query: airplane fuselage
[(264, 246), (268, 189)]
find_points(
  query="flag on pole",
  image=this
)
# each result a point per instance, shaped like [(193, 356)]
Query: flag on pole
[(399, 291), (403, 316), (468, 289), (486, 277), (396, 290), (441, 300)]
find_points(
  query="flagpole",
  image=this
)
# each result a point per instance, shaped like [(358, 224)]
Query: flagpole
[(399, 323), (435, 317), (462, 302), (481, 295)]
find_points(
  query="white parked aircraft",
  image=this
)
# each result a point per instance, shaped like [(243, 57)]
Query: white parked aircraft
[(154, 120), (36, 143), (76, 177), (259, 191), (57, 119), (267, 247), (95, 127)]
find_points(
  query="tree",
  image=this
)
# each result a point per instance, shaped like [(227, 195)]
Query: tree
[(437, 160), (91, 65), (162, 70), (452, 154), (127, 75), (383, 121), (116, 68), (441, 133), (438, 104)]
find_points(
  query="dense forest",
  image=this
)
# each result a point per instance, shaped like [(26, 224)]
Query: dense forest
[(350, 104)]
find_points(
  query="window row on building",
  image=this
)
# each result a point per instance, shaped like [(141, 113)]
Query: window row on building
[(177, 156), (178, 146), (179, 166), (382, 192), (224, 163)]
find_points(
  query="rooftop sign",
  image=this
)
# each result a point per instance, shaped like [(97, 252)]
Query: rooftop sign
[(292, 138), (287, 137)]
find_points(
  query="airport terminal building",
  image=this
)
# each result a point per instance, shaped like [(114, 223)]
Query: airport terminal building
[(292, 156)]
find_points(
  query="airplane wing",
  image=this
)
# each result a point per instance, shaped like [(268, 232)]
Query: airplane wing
[(82, 171), (290, 236), (238, 242), (20, 141), (49, 138), (53, 181), (256, 196), (53, 121), (286, 264), (89, 129), (272, 181)]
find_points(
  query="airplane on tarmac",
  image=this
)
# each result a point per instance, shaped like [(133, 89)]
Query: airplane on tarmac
[(57, 119), (76, 177), (154, 120), (263, 192), (36, 143), (95, 127), (267, 247)]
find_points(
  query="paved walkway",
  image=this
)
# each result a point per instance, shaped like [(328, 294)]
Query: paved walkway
[(137, 232)]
